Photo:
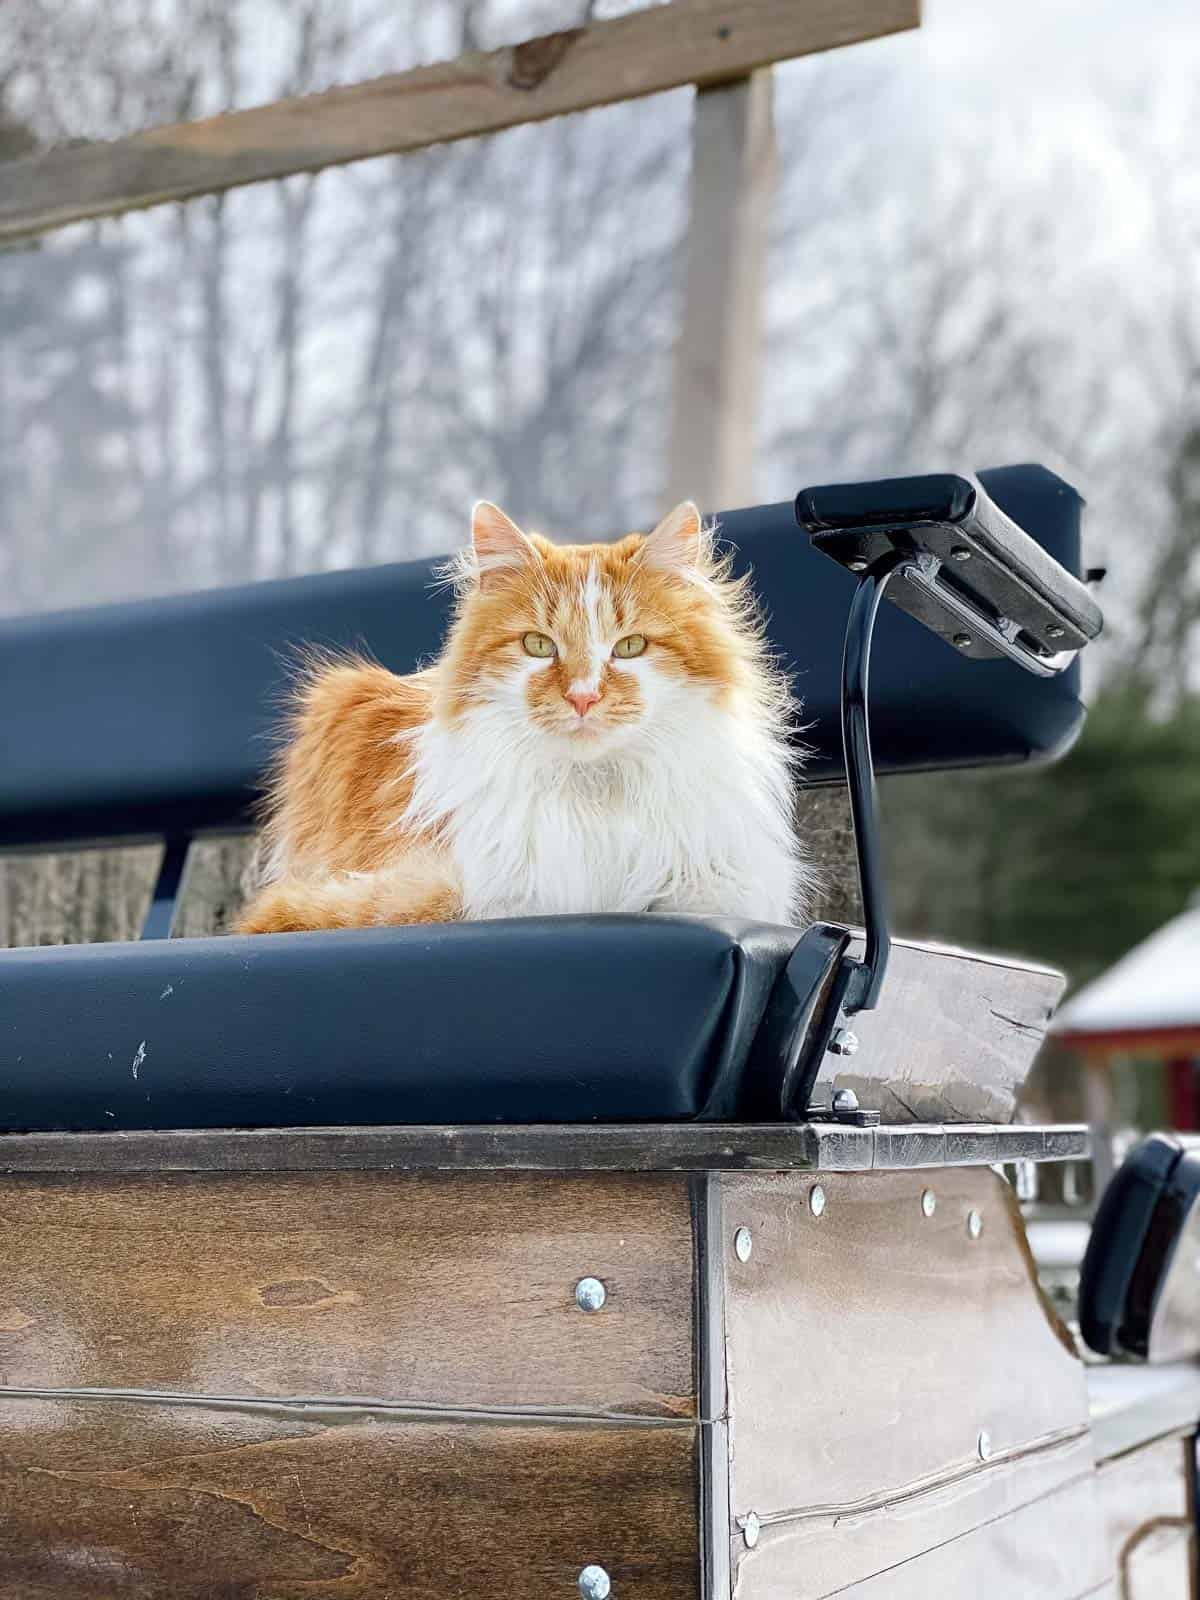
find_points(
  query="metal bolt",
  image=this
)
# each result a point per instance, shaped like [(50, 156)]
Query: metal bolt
[(960, 553), (594, 1584), (928, 1202), (843, 1042), (962, 640), (743, 1244), (751, 1528), (1054, 631), (816, 1200), (857, 566), (590, 1294), (974, 1224), (984, 1445), (845, 1099)]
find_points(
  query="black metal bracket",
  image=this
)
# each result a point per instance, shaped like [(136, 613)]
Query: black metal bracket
[(161, 916), (863, 979), (966, 571)]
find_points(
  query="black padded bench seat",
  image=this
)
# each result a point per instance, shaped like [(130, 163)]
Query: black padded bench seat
[(553, 1019), (154, 720)]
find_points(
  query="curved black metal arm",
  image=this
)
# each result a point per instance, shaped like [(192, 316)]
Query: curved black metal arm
[(862, 990)]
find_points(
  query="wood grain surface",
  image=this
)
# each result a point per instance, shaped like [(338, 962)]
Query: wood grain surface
[(545, 1147), (953, 1037), (415, 1289), (114, 1498), (1040, 1552), (893, 1382), (656, 48)]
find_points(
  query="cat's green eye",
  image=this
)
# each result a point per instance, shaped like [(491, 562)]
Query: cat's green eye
[(539, 644), (633, 644)]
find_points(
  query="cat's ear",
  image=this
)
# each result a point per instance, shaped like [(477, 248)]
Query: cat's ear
[(498, 543), (677, 543)]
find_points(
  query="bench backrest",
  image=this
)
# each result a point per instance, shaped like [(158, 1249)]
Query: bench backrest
[(155, 718)]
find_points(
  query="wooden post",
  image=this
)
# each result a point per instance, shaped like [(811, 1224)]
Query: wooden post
[(718, 358)]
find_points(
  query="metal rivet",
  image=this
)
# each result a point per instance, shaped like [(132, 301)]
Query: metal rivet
[(844, 1100), (743, 1244), (961, 553), (974, 1224), (984, 1445), (816, 1200), (928, 1202), (590, 1294), (962, 640), (751, 1528), (857, 566), (1054, 631), (594, 1584), (843, 1042)]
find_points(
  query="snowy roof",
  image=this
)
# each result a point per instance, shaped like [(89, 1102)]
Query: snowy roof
[(1155, 987)]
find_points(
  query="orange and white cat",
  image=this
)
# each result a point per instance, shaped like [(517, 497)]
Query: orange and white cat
[(602, 732)]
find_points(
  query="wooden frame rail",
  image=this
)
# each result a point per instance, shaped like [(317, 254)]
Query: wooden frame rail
[(702, 42), (549, 1147)]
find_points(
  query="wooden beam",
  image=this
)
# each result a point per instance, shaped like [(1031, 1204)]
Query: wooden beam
[(662, 47), (546, 1147), (718, 359)]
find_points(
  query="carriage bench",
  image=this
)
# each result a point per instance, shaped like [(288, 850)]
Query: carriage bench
[(658, 1257)]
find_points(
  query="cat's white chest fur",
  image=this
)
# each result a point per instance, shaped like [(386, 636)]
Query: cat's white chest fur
[(692, 814)]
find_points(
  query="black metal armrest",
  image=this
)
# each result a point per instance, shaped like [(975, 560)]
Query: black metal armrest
[(966, 570), (941, 549)]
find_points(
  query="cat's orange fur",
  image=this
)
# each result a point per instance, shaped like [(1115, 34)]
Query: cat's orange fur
[(335, 841), (337, 795)]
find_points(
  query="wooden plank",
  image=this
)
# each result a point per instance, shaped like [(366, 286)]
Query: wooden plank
[(661, 47), (415, 1290), (1144, 1502), (953, 1037), (708, 1232), (1040, 1552), (108, 1498), (548, 1147), (894, 1382), (718, 356)]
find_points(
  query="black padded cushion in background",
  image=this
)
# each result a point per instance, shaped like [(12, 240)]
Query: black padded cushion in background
[(151, 718), (553, 1019), (1137, 1227)]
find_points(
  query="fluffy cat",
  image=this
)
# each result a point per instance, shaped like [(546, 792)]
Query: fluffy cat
[(602, 732)]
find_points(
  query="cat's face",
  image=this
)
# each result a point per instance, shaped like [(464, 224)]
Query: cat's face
[(585, 645)]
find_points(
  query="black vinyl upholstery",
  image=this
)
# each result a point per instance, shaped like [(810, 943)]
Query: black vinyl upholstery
[(547, 1019), (153, 718)]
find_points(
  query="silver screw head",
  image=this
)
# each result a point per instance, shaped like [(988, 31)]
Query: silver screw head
[(962, 640), (844, 1100), (743, 1244), (961, 553), (843, 1042), (595, 1583), (590, 1294), (751, 1528), (974, 1224), (857, 566), (1054, 631), (816, 1200), (928, 1202), (984, 1445)]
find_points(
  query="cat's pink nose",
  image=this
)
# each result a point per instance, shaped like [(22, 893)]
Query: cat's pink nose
[(583, 700)]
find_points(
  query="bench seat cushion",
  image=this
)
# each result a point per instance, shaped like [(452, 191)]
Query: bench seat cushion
[(555, 1019)]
